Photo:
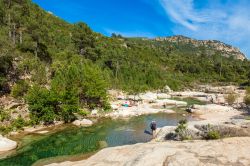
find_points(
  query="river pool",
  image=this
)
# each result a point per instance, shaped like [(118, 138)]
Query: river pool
[(70, 141)]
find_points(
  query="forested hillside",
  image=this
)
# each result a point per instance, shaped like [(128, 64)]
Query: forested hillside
[(59, 68)]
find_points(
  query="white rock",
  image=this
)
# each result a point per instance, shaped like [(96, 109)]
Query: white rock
[(94, 112), (148, 96), (171, 102), (114, 106), (189, 94), (230, 151), (42, 132), (167, 89), (83, 122), (163, 96), (212, 107), (6, 144)]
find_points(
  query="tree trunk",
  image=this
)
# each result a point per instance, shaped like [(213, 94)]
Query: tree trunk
[(220, 67), (14, 34), (9, 4), (116, 71), (20, 37), (36, 49), (9, 24)]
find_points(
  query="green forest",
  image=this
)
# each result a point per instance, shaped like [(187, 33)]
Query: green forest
[(61, 69)]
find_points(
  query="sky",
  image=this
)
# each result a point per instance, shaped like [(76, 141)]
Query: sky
[(224, 20)]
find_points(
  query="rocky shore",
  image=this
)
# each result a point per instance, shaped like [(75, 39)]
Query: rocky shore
[(187, 153), (6, 144)]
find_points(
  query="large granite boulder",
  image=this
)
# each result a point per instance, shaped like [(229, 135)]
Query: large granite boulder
[(6, 144), (83, 122)]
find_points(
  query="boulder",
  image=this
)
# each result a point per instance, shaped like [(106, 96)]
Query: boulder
[(42, 132), (167, 89), (149, 96), (94, 112), (212, 107), (114, 106), (6, 144), (161, 133), (83, 122), (171, 102), (163, 96)]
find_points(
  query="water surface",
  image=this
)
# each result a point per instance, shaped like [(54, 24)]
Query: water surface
[(72, 140)]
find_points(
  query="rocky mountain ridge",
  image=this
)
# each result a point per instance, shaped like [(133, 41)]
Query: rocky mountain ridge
[(225, 49)]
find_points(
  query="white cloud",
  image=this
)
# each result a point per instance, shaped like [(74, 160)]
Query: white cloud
[(228, 22)]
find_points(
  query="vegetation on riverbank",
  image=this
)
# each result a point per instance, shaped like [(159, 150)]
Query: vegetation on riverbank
[(247, 97)]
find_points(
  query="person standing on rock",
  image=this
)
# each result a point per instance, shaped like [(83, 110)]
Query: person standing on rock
[(153, 127)]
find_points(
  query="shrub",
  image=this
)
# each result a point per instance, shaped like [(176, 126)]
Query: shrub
[(182, 131), (41, 105), (248, 91), (48, 105), (18, 123), (4, 115), (5, 129), (20, 89), (210, 131), (83, 112), (213, 134), (247, 97), (231, 98)]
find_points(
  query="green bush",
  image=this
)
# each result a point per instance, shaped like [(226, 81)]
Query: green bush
[(50, 105), (83, 112), (18, 123), (247, 97), (4, 115), (213, 134), (20, 89), (182, 131), (5, 129), (248, 90), (231, 98), (42, 105), (15, 125)]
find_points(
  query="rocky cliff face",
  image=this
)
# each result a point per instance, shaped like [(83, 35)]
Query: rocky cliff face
[(213, 45)]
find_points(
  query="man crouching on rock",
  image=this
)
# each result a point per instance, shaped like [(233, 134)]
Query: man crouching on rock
[(153, 128)]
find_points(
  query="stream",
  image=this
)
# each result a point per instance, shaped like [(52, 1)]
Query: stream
[(72, 143)]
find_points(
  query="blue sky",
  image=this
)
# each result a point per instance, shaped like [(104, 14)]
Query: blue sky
[(224, 20)]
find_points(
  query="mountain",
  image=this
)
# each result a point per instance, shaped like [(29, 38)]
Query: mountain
[(211, 46)]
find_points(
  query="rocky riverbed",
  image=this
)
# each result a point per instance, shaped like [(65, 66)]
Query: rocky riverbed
[(161, 151)]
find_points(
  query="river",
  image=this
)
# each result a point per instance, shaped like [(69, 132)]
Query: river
[(71, 143)]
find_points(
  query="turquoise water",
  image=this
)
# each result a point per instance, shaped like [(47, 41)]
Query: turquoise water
[(73, 140)]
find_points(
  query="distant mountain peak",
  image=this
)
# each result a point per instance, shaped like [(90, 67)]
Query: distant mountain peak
[(225, 49)]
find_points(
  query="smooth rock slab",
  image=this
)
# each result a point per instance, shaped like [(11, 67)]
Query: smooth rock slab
[(6, 144), (171, 102), (231, 151), (83, 122)]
